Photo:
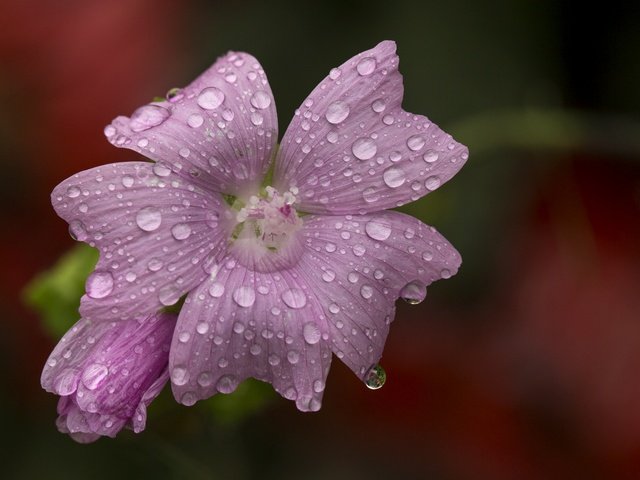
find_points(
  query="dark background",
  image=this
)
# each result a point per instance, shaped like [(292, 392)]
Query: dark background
[(523, 366)]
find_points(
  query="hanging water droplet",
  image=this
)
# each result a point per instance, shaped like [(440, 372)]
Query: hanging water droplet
[(294, 298), (376, 377), (337, 112), (393, 177), (260, 100), (311, 333), (415, 142), (210, 98), (174, 95), (99, 284), (364, 148), (227, 384), (244, 296), (366, 66), (147, 117), (149, 219), (413, 293), (77, 231), (377, 230)]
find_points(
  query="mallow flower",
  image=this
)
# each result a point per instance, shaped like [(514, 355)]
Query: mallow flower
[(284, 254), (107, 373)]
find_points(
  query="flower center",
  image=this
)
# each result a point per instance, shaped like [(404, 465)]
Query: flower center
[(264, 238)]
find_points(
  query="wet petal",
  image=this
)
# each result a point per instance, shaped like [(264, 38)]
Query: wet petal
[(221, 128), (156, 233), (352, 149), (244, 324), (359, 266)]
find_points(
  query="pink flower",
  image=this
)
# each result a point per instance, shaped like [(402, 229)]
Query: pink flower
[(107, 373), (271, 292)]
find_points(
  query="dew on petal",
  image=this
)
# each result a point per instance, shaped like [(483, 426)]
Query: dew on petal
[(415, 142), (328, 276), (77, 230), (393, 177), (311, 333), (260, 100), (244, 296), (181, 231), (375, 378), (413, 293), (93, 375), (210, 98), (168, 295), (179, 376), (149, 218), (294, 298), (364, 148), (128, 181), (430, 156), (378, 106), (195, 120), (366, 291), (227, 384), (216, 290), (377, 230), (366, 66), (337, 112), (432, 182), (99, 284), (147, 117)]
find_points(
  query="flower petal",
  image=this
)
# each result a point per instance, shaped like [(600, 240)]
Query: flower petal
[(359, 266), (244, 324), (222, 127), (155, 232), (352, 149)]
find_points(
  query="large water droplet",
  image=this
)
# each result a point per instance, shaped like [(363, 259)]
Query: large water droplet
[(294, 298), (337, 112), (432, 182), (99, 284), (377, 230), (260, 100), (93, 375), (168, 295), (376, 377), (415, 142), (149, 218), (147, 117), (210, 98), (393, 177), (181, 231), (364, 148), (227, 384), (311, 333), (244, 296), (366, 66), (413, 293)]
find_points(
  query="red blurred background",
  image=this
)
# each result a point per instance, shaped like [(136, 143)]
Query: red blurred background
[(523, 366)]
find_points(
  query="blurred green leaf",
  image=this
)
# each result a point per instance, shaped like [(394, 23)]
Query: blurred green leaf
[(55, 294), (251, 396)]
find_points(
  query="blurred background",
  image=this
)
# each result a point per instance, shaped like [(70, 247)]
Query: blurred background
[(523, 366)]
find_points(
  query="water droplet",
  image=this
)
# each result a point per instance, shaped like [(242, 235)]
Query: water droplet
[(109, 131), (77, 231), (93, 375), (311, 333), (202, 328), (432, 182), (415, 142), (210, 98), (393, 177), (293, 357), (377, 230), (168, 295), (227, 384), (195, 120), (364, 148), (238, 327), (409, 233), (244, 296), (181, 231), (366, 66), (184, 152), (260, 100), (335, 73), (128, 181), (184, 337), (427, 256), (257, 118), (334, 308), (179, 376), (174, 95), (161, 170), (99, 284), (274, 360), (154, 264), (143, 142), (370, 195), (230, 77), (130, 277), (73, 192), (430, 156), (294, 298), (328, 276), (337, 112), (216, 290), (359, 250), (378, 106), (149, 219), (366, 291), (413, 293), (445, 273), (147, 117), (375, 378)]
